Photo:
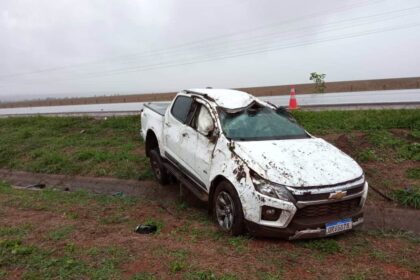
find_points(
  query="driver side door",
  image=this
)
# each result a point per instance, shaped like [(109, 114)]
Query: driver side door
[(205, 143)]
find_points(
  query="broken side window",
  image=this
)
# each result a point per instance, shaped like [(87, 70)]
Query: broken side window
[(181, 108)]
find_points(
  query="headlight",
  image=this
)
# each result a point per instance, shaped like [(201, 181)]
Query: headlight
[(270, 189)]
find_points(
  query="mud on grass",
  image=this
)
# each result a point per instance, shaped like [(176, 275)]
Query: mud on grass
[(51, 234)]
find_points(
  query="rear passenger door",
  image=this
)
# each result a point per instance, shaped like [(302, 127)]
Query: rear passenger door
[(181, 137), (174, 128)]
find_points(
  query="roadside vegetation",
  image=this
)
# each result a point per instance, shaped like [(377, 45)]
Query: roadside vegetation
[(408, 197), (327, 122), (385, 142), (50, 234), (74, 146)]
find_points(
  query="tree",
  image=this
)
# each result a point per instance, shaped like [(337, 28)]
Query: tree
[(319, 81)]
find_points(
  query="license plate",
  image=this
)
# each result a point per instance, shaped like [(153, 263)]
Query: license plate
[(338, 226)]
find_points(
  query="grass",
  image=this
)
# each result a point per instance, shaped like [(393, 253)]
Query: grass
[(239, 243), (61, 233), (85, 248), (411, 237), (356, 276), (16, 232), (143, 276), (270, 276), (368, 155), (177, 266), (202, 275), (112, 146), (208, 275), (408, 197), (404, 149), (179, 262), (74, 145), (67, 204), (49, 263), (343, 121), (43, 263), (413, 173), (324, 246)]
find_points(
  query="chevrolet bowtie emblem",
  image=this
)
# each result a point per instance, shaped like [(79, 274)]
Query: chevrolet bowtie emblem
[(337, 195)]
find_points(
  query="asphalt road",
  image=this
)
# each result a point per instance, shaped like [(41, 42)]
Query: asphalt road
[(343, 100)]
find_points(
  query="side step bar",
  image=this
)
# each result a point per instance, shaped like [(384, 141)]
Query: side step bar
[(187, 182)]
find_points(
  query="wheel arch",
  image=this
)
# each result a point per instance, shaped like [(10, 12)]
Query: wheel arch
[(151, 142), (214, 183)]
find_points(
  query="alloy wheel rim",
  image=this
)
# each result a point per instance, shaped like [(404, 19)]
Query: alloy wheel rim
[(225, 210), (156, 169)]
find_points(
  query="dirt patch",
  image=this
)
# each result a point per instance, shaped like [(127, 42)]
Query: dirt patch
[(348, 142), (384, 170), (399, 272), (381, 214), (189, 244), (103, 185), (144, 264), (139, 151), (391, 218)]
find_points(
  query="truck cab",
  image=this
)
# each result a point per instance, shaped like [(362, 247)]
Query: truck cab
[(254, 165)]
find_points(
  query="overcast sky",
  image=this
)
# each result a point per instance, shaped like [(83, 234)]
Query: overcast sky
[(67, 48)]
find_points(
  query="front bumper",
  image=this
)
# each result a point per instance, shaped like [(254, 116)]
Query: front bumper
[(299, 230), (307, 216)]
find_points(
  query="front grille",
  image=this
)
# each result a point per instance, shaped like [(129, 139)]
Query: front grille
[(322, 196), (329, 209)]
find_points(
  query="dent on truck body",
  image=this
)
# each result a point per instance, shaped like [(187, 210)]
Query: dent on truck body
[(304, 166)]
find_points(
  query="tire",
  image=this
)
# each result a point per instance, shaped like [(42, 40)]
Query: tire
[(159, 170), (233, 221)]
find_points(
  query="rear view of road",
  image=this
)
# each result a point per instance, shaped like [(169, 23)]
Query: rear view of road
[(341, 100)]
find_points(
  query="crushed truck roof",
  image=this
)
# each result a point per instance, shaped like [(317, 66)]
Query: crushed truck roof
[(227, 98)]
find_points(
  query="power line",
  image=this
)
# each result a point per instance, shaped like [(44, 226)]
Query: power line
[(334, 38), (257, 43), (190, 44), (354, 35), (256, 39), (239, 51)]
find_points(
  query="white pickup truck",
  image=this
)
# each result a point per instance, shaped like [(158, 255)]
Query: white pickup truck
[(254, 165)]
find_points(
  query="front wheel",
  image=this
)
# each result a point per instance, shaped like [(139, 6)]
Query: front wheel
[(227, 209), (159, 170)]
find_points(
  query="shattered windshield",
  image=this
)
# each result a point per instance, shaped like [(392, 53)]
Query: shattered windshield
[(259, 123)]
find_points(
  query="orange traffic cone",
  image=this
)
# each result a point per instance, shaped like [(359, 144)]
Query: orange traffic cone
[(292, 101)]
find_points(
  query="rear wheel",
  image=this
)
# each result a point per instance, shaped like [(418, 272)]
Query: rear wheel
[(159, 170), (227, 209)]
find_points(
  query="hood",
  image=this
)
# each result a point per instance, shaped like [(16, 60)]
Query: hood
[(298, 163)]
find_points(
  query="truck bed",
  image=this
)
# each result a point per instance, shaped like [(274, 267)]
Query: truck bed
[(158, 107)]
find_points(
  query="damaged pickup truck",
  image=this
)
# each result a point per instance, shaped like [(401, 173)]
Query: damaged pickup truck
[(255, 166)]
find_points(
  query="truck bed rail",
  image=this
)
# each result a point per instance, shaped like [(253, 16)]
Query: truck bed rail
[(159, 108)]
